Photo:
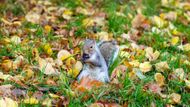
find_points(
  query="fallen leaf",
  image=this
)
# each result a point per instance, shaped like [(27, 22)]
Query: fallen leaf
[(118, 72), (33, 17), (158, 21), (31, 100), (70, 62), (145, 67), (47, 67), (174, 40), (155, 88), (175, 98), (135, 63), (104, 104), (16, 40), (76, 69), (7, 65), (88, 22), (159, 79), (187, 83), (104, 36), (7, 102), (162, 66), (87, 83), (67, 14), (179, 72), (186, 47), (47, 28), (138, 21), (47, 48), (152, 56), (63, 54)]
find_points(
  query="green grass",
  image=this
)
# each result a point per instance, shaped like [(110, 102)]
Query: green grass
[(129, 91)]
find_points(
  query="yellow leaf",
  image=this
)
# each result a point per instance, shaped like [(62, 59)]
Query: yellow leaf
[(158, 21), (87, 22), (67, 14), (145, 67), (47, 28), (159, 79), (174, 40), (47, 49), (29, 73), (175, 32), (7, 65), (63, 54), (78, 65), (31, 100), (134, 63), (70, 62), (53, 95), (103, 36)]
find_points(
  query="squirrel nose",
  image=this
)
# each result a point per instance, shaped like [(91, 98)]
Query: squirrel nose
[(85, 56)]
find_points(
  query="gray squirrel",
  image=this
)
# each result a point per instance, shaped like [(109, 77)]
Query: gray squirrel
[(97, 57)]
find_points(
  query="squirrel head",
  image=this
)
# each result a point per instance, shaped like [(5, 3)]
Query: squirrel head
[(89, 51)]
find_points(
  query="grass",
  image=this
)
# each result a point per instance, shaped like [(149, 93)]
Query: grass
[(129, 91)]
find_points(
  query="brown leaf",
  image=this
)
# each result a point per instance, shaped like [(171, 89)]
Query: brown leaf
[(87, 83), (104, 104)]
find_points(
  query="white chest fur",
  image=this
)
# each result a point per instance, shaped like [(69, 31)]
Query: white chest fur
[(95, 73)]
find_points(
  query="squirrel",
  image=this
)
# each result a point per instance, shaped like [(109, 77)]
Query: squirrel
[(97, 58)]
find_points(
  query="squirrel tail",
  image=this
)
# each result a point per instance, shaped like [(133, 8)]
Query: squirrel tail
[(109, 50)]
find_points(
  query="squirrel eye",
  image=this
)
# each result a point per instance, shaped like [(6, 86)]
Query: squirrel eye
[(91, 47)]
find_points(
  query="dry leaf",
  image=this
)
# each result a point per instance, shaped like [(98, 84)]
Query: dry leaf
[(179, 73), (152, 56), (186, 47), (174, 40), (175, 98), (88, 22), (7, 65), (47, 49), (159, 79), (155, 88), (32, 17), (47, 67), (135, 63), (187, 83), (104, 36), (76, 69), (138, 21), (104, 104), (16, 40), (145, 67), (158, 21), (70, 62), (87, 83), (63, 54), (31, 100), (7, 102), (162, 66)]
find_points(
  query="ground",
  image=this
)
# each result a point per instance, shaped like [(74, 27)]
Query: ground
[(40, 52)]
